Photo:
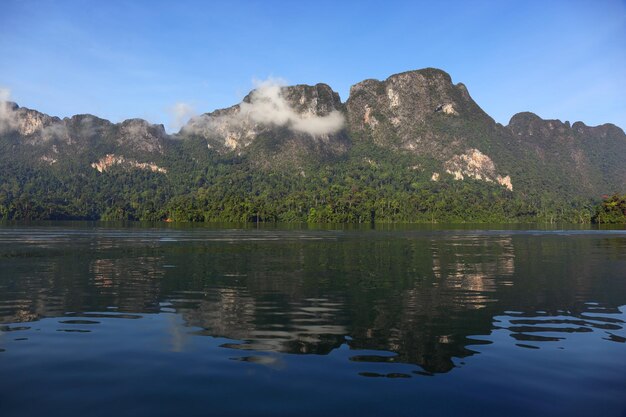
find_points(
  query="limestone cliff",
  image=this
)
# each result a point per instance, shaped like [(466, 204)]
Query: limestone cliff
[(424, 114), (285, 124)]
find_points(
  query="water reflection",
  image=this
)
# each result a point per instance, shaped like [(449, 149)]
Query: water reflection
[(544, 327), (424, 299)]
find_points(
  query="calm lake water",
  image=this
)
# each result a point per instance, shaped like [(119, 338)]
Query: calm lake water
[(167, 321)]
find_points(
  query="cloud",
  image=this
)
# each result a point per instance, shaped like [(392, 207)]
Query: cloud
[(12, 119), (8, 120), (135, 128), (5, 94), (180, 113), (268, 106), (54, 131), (318, 125)]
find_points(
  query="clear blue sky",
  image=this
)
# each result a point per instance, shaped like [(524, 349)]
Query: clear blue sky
[(123, 59)]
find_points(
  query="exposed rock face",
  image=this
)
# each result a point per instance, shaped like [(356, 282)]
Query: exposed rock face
[(425, 114), (33, 126), (141, 135), (297, 118), (447, 109), (318, 100), (313, 111), (398, 112), (85, 127), (30, 121), (224, 129), (475, 164), (112, 160), (80, 135)]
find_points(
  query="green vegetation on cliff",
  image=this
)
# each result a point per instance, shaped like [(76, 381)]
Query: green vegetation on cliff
[(380, 187)]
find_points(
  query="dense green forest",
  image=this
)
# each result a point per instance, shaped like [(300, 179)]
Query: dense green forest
[(209, 187), (611, 210)]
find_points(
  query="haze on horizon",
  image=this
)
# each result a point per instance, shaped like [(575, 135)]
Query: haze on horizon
[(165, 62)]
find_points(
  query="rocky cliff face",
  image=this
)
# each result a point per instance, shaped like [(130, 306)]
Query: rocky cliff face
[(79, 139), (37, 128), (474, 164), (589, 158), (141, 136), (424, 114), (400, 111), (111, 160), (34, 127), (286, 123)]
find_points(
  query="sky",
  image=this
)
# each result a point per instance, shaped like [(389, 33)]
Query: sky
[(166, 60)]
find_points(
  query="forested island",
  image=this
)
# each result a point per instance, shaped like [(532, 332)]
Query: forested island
[(412, 148)]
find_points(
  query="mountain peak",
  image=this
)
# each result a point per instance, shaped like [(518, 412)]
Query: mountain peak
[(523, 118), (429, 73), (399, 112), (142, 135), (27, 122), (420, 76), (298, 117)]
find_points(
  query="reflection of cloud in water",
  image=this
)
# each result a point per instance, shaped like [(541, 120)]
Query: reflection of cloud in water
[(308, 326), (179, 335)]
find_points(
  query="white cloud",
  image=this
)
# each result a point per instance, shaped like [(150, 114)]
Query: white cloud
[(7, 114), (56, 130), (268, 106), (180, 113), (317, 125), (10, 120), (5, 94)]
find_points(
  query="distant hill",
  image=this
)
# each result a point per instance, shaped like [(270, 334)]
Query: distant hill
[(412, 148)]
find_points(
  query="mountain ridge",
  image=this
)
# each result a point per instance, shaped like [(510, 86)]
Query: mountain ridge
[(414, 134)]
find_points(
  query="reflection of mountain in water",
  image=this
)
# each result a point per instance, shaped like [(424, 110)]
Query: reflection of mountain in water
[(428, 322), (309, 326), (421, 296), (34, 286)]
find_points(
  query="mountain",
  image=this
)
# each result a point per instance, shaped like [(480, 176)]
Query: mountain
[(280, 125), (422, 113), (413, 147), (589, 161)]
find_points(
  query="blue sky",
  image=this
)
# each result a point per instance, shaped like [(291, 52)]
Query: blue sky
[(123, 59)]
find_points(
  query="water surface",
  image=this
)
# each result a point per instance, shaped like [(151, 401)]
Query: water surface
[(99, 320)]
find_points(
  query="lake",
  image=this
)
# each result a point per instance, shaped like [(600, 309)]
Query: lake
[(136, 320)]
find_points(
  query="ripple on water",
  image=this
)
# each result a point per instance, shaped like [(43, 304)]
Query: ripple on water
[(542, 326), (389, 375), (79, 322)]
